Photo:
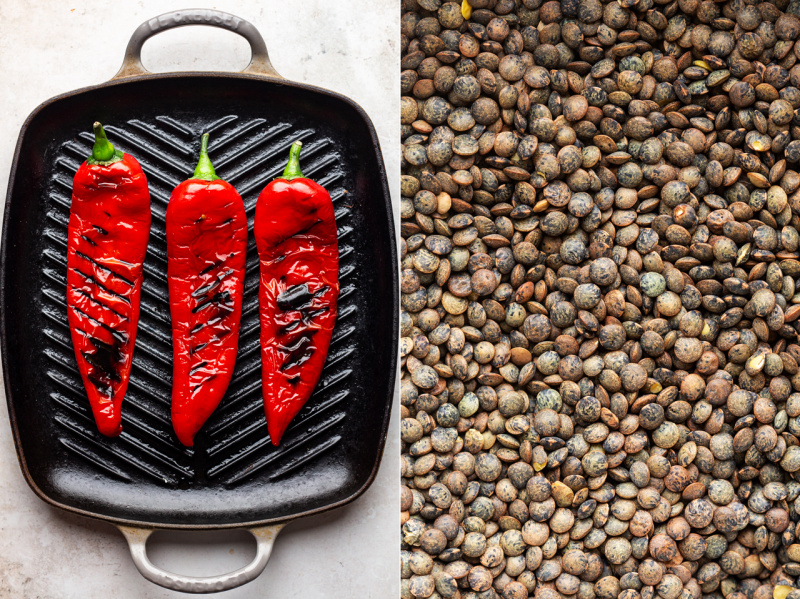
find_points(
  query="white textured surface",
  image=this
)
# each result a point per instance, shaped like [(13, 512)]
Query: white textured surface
[(51, 47)]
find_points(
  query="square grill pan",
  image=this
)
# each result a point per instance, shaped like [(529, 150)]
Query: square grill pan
[(233, 476)]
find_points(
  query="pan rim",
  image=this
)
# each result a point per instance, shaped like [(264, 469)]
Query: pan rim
[(395, 307)]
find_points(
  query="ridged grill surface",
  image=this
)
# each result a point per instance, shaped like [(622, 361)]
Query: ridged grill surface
[(234, 444)]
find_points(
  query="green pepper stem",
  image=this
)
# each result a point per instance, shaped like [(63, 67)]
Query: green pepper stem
[(204, 170), (102, 150), (292, 170)]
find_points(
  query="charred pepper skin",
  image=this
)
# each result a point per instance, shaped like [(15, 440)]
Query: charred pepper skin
[(206, 252), (109, 227), (298, 250)]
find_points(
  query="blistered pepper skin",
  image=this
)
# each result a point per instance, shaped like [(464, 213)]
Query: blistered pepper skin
[(296, 237), (109, 227), (206, 251)]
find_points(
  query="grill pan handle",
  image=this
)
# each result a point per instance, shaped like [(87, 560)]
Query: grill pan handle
[(137, 542), (259, 63)]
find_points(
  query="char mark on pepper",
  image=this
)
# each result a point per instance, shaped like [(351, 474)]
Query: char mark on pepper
[(200, 291), (102, 387), (302, 340), (299, 297), (297, 359), (289, 327), (198, 366), (104, 268), (300, 232), (100, 286), (203, 382), (220, 298), (309, 316), (308, 228), (200, 325), (96, 301), (121, 337), (294, 298), (105, 358), (211, 267), (298, 353)]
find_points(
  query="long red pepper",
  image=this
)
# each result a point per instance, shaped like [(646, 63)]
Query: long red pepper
[(109, 226), (206, 247), (298, 250)]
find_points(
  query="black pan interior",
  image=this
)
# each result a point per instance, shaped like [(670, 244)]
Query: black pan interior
[(233, 475)]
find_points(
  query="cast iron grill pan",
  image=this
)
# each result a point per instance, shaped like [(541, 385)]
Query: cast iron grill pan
[(233, 475)]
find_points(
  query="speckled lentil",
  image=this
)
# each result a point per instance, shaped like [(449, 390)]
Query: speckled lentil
[(600, 300)]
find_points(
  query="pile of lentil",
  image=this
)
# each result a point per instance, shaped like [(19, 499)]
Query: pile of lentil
[(600, 298)]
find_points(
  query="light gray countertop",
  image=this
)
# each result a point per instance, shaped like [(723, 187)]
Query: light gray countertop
[(52, 47)]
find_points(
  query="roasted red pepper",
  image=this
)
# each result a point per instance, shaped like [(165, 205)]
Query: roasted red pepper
[(109, 226), (295, 231), (206, 250)]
